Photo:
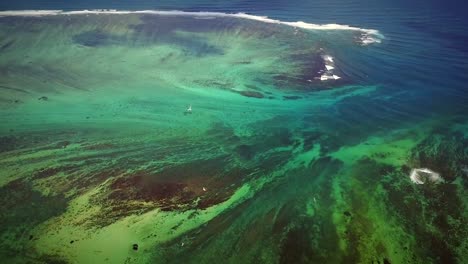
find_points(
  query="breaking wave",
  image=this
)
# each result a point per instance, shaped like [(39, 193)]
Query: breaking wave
[(368, 36)]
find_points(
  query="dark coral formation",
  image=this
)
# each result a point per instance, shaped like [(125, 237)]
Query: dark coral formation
[(253, 94), (97, 38), (21, 209), (39, 140), (194, 185), (292, 97), (446, 154), (8, 143), (433, 213), (152, 31), (287, 234)]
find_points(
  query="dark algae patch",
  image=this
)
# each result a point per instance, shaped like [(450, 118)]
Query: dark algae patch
[(296, 247), (292, 97), (253, 94), (8, 143), (196, 185), (22, 209), (97, 38), (448, 153)]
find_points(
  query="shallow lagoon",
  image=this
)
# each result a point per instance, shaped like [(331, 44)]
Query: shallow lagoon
[(273, 163)]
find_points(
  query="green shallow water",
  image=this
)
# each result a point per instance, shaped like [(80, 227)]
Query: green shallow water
[(99, 153)]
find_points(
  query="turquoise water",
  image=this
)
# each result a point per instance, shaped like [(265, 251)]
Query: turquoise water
[(188, 137)]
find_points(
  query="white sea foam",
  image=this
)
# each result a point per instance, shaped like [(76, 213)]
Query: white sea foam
[(369, 39), (368, 36), (425, 175), (328, 73), (30, 13), (326, 77)]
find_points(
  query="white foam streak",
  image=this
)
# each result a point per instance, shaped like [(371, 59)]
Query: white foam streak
[(368, 35), (328, 58), (329, 67), (30, 13)]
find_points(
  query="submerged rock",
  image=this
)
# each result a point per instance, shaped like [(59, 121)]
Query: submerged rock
[(8, 143), (446, 153), (291, 97), (253, 94)]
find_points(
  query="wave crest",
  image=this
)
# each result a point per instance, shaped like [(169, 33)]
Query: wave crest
[(368, 36)]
